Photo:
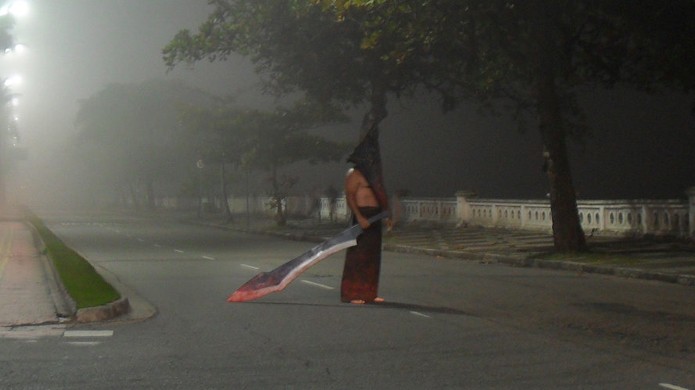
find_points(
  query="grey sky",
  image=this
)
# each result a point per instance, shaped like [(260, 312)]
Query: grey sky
[(76, 47)]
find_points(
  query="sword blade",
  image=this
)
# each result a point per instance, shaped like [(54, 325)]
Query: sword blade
[(277, 279)]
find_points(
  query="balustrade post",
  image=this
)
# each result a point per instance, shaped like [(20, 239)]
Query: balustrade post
[(691, 211), (524, 218), (646, 220), (464, 212)]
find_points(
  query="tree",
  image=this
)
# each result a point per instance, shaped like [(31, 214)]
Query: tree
[(216, 138), (299, 47), (537, 54), (129, 132), (533, 53), (224, 133), (6, 42), (7, 127), (279, 138), (7, 23)]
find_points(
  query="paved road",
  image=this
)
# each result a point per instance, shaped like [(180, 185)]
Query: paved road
[(446, 324)]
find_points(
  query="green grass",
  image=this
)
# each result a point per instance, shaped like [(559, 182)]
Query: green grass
[(86, 287)]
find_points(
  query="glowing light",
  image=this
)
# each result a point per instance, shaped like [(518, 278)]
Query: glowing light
[(17, 49), (15, 8), (13, 81)]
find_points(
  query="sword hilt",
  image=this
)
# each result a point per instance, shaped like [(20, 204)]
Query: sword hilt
[(381, 215)]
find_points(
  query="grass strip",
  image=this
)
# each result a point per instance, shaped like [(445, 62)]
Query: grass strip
[(84, 284)]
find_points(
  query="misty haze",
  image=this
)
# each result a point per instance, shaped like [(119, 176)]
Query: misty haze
[(639, 146), (347, 194)]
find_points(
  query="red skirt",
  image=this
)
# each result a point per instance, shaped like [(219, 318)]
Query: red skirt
[(363, 263)]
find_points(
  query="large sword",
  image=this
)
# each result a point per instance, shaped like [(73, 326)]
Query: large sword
[(277, 279)]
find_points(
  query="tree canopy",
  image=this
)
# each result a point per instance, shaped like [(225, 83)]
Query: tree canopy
[(533, 54), (7, 127), (129, 133), (254, 139)]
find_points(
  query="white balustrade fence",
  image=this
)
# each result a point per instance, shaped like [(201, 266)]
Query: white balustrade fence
[(613, 217), (622, 217)]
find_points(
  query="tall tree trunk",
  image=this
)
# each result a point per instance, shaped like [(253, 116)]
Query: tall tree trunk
[(277, 198), (122, 196), (568, 235), (133, 196), (225, 200), (149, 186), (200, 188), (377, 110)]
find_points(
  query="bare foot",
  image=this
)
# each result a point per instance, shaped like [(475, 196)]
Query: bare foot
[(378, 300), (357, 302)]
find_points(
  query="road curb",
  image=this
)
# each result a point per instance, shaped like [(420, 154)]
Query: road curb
[(516, 260), (62, 301), (105, 312), (528, 262), (116, 310), (686, 280), (139, 309)]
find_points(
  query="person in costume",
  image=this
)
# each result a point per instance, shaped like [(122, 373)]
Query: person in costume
[(365, 196)]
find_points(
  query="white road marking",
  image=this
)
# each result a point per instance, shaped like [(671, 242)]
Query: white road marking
[(250, 267), (84, 343), (317, 284), (179, 251), (208, 258), (31, 333), (88, 333), (417, 313), (672, 387), (141, 240), (157, 246)]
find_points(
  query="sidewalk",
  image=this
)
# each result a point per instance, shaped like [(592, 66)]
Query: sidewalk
[(664, 259), (28, 293)]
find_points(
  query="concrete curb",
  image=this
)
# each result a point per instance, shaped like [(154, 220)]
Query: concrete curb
[(511, 259), (63, 303), (66, 307), (138, 309), (105, 312), (518, 260)]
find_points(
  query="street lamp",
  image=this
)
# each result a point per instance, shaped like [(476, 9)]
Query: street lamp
[(17, 8), (13, 81), (9, 133)]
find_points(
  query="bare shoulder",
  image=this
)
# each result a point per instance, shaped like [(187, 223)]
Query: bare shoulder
[(354, 174), (355, 178)]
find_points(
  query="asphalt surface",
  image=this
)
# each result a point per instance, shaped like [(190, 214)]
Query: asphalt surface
[(446, 323), (666, 259), (31, 294)]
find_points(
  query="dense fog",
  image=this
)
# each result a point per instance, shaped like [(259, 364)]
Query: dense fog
[(640, 146)]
